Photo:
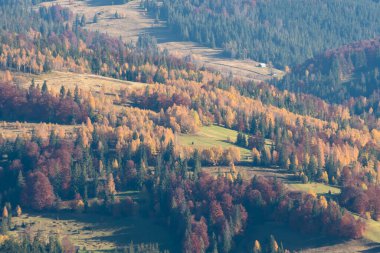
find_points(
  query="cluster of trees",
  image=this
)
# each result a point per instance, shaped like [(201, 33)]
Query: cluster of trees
[(153, 66), (24, 37), (284, 32), (40, 173), (108, 157), (271, 247), (53, 39), (135, 149), (298, 102), (37, 244), (313, 148), (208, 213), (362, 199), (219, 156), (37, 104), (306, 212), (6, 219), (341, 75)]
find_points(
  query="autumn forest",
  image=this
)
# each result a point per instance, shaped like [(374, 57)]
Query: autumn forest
[(300, 152)]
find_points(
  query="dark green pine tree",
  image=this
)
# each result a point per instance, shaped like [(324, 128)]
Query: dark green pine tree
[(44, 89), (196, 163)]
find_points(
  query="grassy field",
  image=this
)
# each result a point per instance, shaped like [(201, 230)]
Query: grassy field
[(10, 130), (372, 231), (248, 172), (318, 188), (86, 82), (98, 232), (210, 136)]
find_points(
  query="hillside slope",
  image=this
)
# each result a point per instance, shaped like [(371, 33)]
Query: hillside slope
[(341, 75), (285, 32), (133, 20)]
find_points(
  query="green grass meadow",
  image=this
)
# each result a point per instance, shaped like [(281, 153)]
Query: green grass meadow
[(211, 136), (318, 188)]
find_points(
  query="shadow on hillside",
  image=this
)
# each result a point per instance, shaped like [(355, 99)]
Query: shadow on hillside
[(164, 35), (298, 241), (375, 249), (99, 229), (106, 2), (161, 33)]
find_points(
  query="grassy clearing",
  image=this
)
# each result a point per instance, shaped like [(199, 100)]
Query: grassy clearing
[(98, 232), (132, 22), (248, 172), (213, 58), (211, 136), (372, 231), (86, 82), (123, 195), (318, 188), (10, 130)]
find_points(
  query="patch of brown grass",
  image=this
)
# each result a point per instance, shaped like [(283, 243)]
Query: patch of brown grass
[(86, 82), (10, 130)]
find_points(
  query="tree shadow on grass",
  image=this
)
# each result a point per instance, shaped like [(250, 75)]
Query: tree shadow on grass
[(106, 2), (374, 249), (120, 231), (298, 241), (138, 235)]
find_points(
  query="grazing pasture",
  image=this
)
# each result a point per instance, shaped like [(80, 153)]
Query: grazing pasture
[(318, 188), (211, 136), (87, 82)]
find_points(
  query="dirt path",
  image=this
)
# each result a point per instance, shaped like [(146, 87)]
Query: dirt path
[(134, 21)]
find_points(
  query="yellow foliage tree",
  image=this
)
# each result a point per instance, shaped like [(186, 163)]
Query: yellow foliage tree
[(257, 247), (18, 211), (115, 164), (3, 238), (312, 193), (5, 212), (324, 177), (111, 184), (323, 202)]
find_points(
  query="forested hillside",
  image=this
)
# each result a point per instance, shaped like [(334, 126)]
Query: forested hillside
[(282, 32), (121, 155), (341, 75), (36, 42)]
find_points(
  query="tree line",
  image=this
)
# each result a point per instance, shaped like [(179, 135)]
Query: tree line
[(37, 105)]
